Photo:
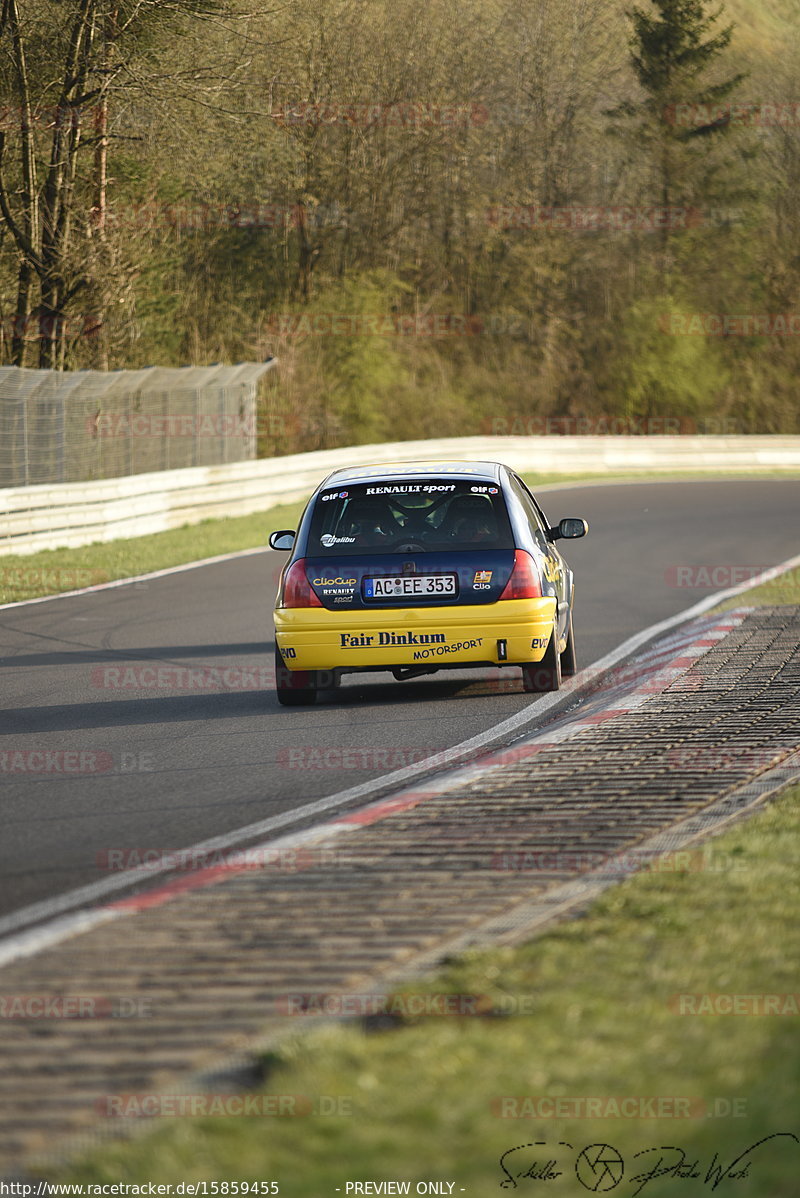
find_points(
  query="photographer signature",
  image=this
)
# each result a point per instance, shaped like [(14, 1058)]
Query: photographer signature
[(716, 1172), (601, 1168)]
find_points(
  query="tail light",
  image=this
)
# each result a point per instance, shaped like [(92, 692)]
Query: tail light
[(297, 590), (524, 581)]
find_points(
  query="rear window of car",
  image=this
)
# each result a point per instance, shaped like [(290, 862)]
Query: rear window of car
[(423, 515)]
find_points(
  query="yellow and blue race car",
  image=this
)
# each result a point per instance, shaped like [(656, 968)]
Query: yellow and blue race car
[(417, 566)]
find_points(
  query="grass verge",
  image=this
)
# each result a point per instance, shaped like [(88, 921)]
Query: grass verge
[(785, 589), (593, 1016), (53, 571)]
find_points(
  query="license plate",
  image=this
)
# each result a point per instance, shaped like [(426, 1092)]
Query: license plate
[(411, 585)]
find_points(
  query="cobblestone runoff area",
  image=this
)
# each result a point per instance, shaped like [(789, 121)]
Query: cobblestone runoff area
[(178, 986)]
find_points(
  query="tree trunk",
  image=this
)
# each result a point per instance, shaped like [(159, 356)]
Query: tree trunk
[(30, 200)]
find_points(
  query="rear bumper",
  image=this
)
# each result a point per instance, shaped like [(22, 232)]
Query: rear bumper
[(319, 639)]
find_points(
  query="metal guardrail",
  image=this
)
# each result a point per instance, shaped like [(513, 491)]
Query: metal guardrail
[(48, 517)]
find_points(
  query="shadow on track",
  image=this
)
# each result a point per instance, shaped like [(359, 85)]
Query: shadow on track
[(166, 653), (228, 705)]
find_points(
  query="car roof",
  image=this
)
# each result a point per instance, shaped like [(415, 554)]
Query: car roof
[(488, 471)]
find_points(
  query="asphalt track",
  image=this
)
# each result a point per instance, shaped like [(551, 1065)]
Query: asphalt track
[(185, 763)]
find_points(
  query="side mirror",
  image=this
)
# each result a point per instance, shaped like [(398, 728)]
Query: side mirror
[(284, 539), (568, 529)]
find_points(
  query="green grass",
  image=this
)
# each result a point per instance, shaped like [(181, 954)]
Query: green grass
[(785, 589), (31, 576), (598, 1022)]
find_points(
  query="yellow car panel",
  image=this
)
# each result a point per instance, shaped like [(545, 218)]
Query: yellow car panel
[(319, 639)]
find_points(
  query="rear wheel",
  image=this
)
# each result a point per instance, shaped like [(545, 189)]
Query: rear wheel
[(569, 665), (294, 688), (544, 675)]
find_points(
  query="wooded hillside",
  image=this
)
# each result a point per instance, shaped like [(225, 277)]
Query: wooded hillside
[(446, 218)]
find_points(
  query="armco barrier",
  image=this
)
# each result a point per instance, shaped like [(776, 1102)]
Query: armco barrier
[(48, 517)]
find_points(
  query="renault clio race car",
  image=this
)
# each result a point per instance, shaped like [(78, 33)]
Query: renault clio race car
[(418, 566)]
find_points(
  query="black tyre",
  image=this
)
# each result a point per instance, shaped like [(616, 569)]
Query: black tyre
[(294, 688), (544, 675), (569, 664)]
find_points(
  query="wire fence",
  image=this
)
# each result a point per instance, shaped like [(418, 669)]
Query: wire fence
[(61, 427)]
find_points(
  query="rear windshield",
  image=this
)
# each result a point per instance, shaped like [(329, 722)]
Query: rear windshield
[(422, 515)]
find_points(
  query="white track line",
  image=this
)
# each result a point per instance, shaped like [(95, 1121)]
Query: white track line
[(125, 582), (23, 944)]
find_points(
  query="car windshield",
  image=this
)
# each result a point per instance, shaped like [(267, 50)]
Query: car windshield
[(417, 514)]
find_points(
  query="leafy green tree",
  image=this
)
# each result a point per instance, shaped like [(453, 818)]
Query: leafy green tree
[(674, 46), (60, 63)]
